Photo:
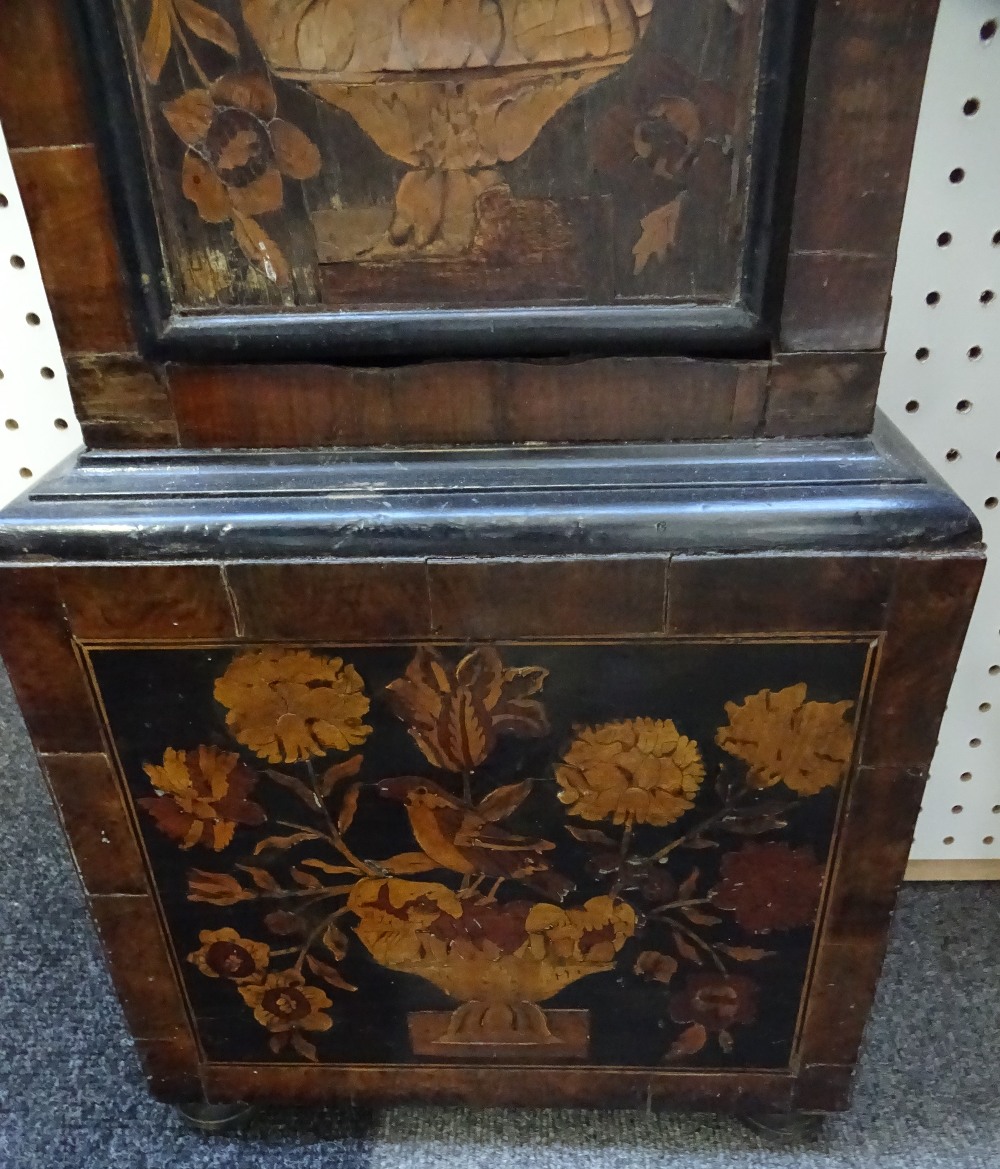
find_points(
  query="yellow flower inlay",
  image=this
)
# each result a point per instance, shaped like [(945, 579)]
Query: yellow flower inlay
[(291, 705)]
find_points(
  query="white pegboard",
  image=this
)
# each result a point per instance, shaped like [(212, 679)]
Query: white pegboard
[(941, 386), (37, 426)]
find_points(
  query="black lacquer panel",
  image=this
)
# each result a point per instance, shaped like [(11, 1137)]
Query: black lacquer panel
[(594, 853)]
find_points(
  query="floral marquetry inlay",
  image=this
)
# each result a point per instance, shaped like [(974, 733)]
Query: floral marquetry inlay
[(448, 152), (392, 854)]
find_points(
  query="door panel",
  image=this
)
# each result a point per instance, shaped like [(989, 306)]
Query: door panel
[(391, 176)]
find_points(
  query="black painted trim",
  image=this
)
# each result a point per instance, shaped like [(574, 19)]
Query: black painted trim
[(821, 495)]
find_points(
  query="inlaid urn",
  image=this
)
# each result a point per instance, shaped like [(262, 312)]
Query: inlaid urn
[(451, 88), (498, 961)]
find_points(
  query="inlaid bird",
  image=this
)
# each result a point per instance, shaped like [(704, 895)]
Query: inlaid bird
[(463, 839)]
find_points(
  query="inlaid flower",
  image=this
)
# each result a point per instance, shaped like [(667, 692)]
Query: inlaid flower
[(770, 887), (456, 713), (593, 932), (237, 152), (641, 771), (226, 954), (715, 1001), (664, 137), (290, 705), (283, 1002), (783, 738), (204, 796)]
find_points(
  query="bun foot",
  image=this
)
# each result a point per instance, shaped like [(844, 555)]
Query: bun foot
[(214, 1118), (785, 1126)]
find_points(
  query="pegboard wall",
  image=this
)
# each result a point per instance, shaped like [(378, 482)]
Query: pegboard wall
[(941, 386), (37, 425)]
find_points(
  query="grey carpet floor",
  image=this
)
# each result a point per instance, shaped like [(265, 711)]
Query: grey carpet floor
[(71, 1095)]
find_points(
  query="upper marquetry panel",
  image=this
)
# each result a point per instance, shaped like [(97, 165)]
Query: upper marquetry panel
[(394, 155)]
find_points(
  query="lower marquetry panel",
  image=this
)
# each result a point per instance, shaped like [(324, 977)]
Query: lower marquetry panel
[(602, 854)]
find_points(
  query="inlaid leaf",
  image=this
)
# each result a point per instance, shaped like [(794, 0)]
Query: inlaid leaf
[(328, 973), (659, 234), (688, 885), (335, 940), (294, 784), (312, 862), (697, 842), (282, 842), (348, 807), (408, 862), (689, 1042), (208, 25), (686, 950), (590, 836), (745, 953), (216, 888), (284, 924), (339, 771), (306, 880), (504, 801), (261, 878), (278, 1042), (726, 1042), (655, 966), (303, 1046), (156, 42), (261, 250)]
